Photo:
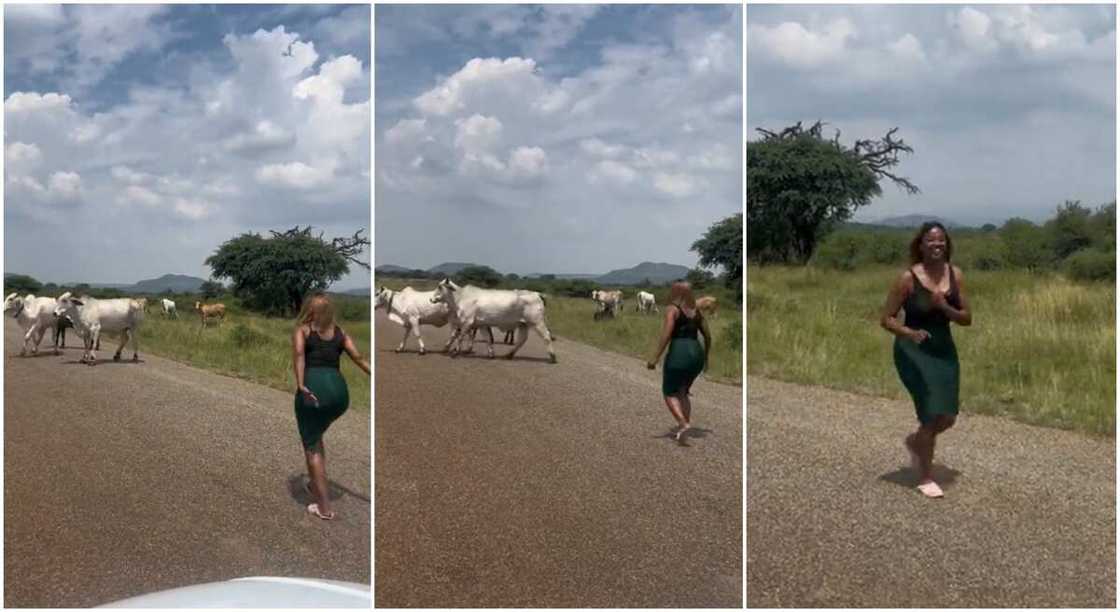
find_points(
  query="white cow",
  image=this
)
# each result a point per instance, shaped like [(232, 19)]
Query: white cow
[(608, 303), (92, 316), (411, 309), (646, 302), (168, 307), (518, 309), (35, 316)]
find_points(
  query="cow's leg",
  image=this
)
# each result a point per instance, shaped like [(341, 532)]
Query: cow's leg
[(40, 331), (522, 336), (135, 345), (27, 340), (546, 335), (490, 347), (94, 342), (404, 339), (508, 339), (124, 341)]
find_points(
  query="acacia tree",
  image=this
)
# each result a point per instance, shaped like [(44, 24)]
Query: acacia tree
[(275, 274), (800, 185), (722, 245), (21, 283)]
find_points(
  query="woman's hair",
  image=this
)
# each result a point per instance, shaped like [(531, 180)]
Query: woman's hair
[(317, 306), (916, 243), (681, 292)]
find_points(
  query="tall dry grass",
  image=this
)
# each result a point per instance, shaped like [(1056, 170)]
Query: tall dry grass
[(1041, 349)]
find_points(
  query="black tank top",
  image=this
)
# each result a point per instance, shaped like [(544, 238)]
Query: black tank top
[(319, 353), (920, 311), (684, 326)]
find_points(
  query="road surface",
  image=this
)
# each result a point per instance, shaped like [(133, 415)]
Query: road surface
[(1028, 518), (122, 479), (525, 484)]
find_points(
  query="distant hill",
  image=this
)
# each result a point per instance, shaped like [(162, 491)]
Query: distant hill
[(450, 267), (657, 273), (359, 291), (178, 283), (565, 276), (915, 221), (391, 269)]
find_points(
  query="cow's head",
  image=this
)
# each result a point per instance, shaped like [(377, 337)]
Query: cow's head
[(445, 292), (381, 299), (67, 305), (198, 305)]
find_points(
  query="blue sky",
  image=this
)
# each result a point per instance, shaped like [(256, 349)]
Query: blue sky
[(558, 138), (151, 134), (1010, 109)]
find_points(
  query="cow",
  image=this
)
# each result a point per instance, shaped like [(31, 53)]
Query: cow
[(707, 305), (168, 308), (646, 302), (604, 298), (210, 311), (144, 302), (35, 315), (471, 306), (92, 316), (411, 309)]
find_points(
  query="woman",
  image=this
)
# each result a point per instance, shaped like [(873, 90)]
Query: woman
[(321, 395), (932, 293), (686, 358)]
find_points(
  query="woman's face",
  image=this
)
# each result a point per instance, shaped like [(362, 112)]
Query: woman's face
[(934, 245)]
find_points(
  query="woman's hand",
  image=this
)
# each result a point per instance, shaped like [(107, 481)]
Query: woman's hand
[(309, 396), (918, 335)]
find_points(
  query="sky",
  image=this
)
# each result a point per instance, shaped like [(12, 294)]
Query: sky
[(140, 138), (1011, 110), (557, 138)]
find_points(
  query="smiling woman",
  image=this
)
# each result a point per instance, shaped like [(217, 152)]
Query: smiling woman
[(183, 142)]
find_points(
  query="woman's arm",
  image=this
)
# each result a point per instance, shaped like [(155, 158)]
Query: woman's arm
[(354, 353), (961, 316), (297, 364), (896, 297), (666, 334), (707, 340)]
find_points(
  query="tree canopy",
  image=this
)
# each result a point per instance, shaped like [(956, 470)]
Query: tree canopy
[(800, 185), (21, 284), (275, 274), (722, 245)]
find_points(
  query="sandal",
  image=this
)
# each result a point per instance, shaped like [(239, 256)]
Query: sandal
[(314, 509), (680, 433), (931, 489)]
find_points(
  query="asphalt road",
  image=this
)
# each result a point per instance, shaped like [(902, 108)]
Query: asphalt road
[(1028, 518), (525, 484), (122, 479)]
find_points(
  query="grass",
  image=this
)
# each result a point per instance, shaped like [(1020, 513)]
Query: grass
[(630, 333), (1041, 349), (247, 346)]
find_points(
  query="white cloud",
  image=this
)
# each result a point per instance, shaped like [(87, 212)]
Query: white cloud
[(616, 171), (974, 28), (526, 163), (135, 194), (406, 131), (296, 175), (598, 148), (265, 136), (490, 73), (19, 153), (477, 132), (30, 102), (192, 209), (793, 43), (675, 185), (908, 49)]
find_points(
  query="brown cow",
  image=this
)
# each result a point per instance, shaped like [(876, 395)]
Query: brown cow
[(211, 311), (707, 305)]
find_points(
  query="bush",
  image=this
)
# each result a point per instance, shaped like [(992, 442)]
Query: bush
[(840, 251), (352, 310), (244, 336), (734, 338), (1091, 265)]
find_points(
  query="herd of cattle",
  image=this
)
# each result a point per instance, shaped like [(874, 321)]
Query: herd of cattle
[(89, 317), (469, 309)]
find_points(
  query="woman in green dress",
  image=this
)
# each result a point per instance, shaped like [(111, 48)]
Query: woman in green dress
[(931, 292), (321, 393), (686, 358)]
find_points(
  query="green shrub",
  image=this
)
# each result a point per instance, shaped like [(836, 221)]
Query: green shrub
[(840, 251), (1091, 265), (244, 336)]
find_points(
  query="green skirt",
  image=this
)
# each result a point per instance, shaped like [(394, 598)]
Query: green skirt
[(683, 363), (931, 373), (329, 387)]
